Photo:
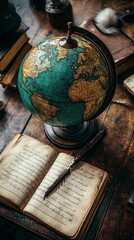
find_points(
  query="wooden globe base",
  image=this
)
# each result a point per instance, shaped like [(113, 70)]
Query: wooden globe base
[(72, 138)]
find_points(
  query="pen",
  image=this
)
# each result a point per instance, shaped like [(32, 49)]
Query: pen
[(78, 157)]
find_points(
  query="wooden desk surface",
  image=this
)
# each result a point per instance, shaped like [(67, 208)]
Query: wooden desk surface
[(115, 153)]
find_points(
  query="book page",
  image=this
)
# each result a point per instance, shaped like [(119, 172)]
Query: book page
[(129, 84), (22, 168), (66, 209)]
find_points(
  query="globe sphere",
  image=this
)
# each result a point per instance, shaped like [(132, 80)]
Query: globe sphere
[(64, 87)]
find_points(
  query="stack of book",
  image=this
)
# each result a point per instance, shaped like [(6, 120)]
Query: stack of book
[(12, 51), (120, 46)]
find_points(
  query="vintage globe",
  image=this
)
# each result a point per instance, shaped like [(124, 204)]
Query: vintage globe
[(67, 84)]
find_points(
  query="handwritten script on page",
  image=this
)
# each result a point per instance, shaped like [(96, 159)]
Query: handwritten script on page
[(23, 168), (65, 210)]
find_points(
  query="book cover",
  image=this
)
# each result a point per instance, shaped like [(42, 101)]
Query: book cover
[(120, 46), (9, 79), (10, 47)]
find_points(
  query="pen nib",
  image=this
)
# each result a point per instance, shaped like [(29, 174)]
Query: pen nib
[(64, 174), (59, 182)]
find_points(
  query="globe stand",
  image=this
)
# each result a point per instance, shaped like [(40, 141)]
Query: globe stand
[(72, 138), (82, 89)]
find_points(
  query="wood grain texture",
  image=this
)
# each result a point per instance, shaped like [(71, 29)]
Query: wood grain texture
[(118, 217), (14, 119)]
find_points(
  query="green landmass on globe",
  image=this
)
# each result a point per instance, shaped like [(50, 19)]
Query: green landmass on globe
[(63, 87)]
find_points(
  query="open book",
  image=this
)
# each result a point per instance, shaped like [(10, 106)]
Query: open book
[(28, 167)]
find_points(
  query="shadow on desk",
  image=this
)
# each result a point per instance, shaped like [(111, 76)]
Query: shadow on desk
[(10, 231)]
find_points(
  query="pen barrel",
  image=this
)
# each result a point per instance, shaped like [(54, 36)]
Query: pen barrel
[(89, 146), (78, 157)]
